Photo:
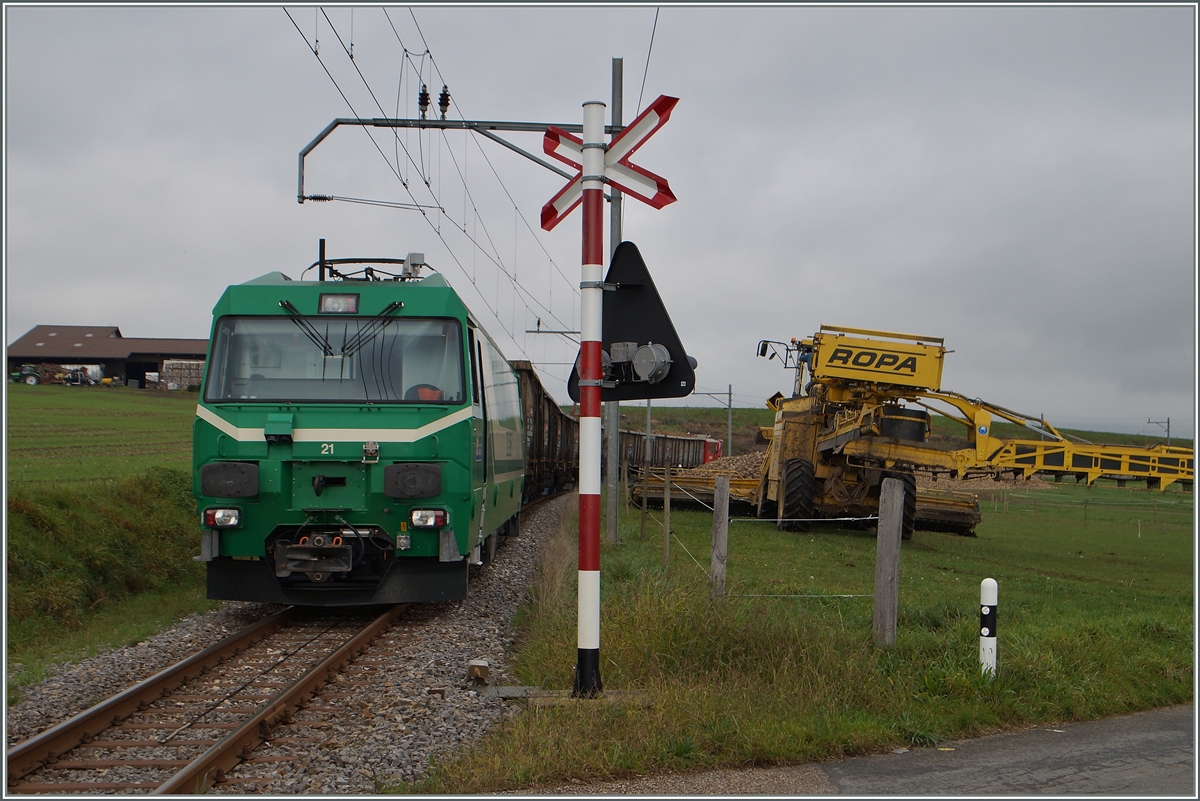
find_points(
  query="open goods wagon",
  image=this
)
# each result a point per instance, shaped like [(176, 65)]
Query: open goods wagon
[(363, 441), (675, 450), (552, 437)]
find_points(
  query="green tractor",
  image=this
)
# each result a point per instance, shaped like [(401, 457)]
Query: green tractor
[(28, 374)]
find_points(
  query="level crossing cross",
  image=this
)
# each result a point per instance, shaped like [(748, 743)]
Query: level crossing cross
[(597, 165), (618, 170)]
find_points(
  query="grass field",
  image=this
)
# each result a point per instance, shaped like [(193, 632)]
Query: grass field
[(1095, 619), (58, 433)]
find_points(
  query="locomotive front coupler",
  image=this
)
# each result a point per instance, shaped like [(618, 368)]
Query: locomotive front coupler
[(322, 551)]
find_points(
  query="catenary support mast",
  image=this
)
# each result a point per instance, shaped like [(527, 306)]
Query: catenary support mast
[(612, 409)]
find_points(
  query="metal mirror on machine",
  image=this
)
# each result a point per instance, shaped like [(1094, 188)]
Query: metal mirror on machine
[(642, 356)]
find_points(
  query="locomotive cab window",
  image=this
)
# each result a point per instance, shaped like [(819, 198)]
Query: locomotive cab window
[(344, 359)]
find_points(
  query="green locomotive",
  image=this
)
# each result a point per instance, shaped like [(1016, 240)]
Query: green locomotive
[(361, 440)]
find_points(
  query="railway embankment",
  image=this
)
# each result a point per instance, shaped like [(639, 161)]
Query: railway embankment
[(80, 553)]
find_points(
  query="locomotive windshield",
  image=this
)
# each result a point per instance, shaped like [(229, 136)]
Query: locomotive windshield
[(347, 359)]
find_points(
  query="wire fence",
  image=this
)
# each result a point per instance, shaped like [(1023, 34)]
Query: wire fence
[(1003, 500), (1175, 510), (674, 537)]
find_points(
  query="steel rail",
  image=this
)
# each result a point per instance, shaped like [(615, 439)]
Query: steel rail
[(211, 766), (27, 756)]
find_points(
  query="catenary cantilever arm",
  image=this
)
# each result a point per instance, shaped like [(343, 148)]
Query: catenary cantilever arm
[(479, 126)]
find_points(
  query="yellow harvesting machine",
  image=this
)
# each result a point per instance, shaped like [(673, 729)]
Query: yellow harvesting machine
[(860, 412)]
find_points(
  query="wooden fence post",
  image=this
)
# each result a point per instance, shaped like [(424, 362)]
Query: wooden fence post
[(887, 562), (625, 482), (720, 536), (612, 463), (645, 497), (667, 517)]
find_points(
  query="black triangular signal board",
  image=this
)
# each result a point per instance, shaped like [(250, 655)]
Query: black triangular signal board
[(643, 357)]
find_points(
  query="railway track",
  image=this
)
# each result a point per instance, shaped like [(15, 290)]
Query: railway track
[(185, 728)]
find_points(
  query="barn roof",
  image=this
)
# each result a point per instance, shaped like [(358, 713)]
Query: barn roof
[(73, 344)]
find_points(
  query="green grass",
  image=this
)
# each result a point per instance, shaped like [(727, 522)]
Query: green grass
[(34, 647), (72, 548), (1093, 619), (58, 433), (80, 553)]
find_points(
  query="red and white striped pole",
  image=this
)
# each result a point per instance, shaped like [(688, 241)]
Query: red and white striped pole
[(587, 669)]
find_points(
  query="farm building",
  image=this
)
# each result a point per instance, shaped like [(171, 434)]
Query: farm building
[(117, 355)]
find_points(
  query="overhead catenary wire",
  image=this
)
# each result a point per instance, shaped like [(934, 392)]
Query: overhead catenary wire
[(390, 204), (462, 177), (420, 168), (350, 54), (348, 103), (395, 172), (649, 50), (416, 204), (454, 104)]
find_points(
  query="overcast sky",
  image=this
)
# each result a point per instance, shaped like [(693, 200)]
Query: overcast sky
[(1017, 180)]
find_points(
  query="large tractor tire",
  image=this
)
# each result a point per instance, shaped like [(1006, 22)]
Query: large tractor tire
[(799, 493), (31, 380), (910, 501)]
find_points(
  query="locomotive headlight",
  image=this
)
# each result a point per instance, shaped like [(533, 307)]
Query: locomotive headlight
[(222, 518), (428, 518), (338, 304)]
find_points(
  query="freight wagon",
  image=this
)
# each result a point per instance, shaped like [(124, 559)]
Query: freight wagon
[(676, 450)]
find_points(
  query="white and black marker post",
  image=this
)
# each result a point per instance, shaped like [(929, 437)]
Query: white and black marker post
[(988, 595)]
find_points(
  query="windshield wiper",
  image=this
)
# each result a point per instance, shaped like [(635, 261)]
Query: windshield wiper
[(368, 331), (304, 325)]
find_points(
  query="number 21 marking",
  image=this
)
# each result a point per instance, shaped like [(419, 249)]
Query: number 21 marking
[(326, 448)]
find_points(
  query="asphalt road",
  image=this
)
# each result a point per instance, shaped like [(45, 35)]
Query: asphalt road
[(1148, 753), (1144, 754)]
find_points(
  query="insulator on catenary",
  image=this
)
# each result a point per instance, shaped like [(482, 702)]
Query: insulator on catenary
[(423, 100), (444, 101), (319, 198)]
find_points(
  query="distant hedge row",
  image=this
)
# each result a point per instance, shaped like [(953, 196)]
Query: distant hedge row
[(73, 548)]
